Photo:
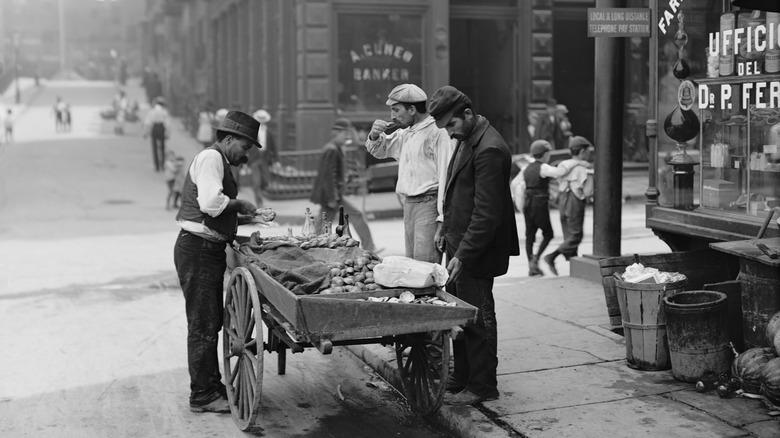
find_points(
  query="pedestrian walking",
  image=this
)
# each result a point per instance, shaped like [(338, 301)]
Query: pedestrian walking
[(479, 235), (66, 117), (328, 188), (169, 173), (260, 161), (8, 125), (550, 126), (158, 126), (208, 218), (533, 188), (120, 108), (58, 110), (423, 151), (575, 187), (178, 180), (205, 134)]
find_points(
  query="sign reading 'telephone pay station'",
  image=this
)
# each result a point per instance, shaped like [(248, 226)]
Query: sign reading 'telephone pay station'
[(618, 22)]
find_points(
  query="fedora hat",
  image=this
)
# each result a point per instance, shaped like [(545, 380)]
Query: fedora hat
[(240, 124)]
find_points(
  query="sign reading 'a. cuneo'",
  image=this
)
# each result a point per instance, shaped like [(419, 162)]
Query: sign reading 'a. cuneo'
[(618, 22), (381, 61)]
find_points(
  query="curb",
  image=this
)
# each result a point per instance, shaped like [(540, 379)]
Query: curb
[(463, 421)]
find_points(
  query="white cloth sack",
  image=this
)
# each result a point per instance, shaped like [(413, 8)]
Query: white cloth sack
[(398, 271)]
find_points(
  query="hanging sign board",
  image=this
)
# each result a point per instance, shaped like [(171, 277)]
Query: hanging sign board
[(618, 22)]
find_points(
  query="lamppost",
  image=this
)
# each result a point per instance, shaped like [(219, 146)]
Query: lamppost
[(17, 92)]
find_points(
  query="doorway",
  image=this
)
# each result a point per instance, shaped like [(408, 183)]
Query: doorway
[(573, 67), (483, 54)]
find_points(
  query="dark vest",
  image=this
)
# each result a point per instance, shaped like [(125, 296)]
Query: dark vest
[(227, 222), (534, 183)]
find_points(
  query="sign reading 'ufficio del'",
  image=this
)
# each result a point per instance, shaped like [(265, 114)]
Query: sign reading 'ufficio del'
[(618, 22)]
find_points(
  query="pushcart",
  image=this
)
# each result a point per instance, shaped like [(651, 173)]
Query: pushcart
[(420, 334)]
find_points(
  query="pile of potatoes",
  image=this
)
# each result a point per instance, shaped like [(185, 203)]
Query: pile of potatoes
[(353, 275)]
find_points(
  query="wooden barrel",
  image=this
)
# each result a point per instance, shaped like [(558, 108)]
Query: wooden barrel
[(644, 322)]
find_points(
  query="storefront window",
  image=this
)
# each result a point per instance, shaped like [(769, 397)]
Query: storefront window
[(376, 52), (739, 139)]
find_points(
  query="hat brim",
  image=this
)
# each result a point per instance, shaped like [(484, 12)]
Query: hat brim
[(242, 135), (444, 119)]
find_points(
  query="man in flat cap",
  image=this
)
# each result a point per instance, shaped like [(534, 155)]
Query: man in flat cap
[(575, 187), (479, 235), (423, 151), (208, 218)]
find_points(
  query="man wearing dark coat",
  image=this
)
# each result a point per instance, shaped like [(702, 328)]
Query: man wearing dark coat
[(328, 188), (550, 126), (478, 236)]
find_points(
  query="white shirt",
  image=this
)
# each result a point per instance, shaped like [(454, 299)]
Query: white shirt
[(576, 173), (158, 114), (207, 171), (423, 152), (518, 183)]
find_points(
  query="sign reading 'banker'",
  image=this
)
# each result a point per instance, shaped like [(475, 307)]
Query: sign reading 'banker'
[(618, 22)]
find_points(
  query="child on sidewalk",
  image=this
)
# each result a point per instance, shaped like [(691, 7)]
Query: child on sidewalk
[(178, 181), (8, 123), (575, 188), (533, 188), (169, 172)]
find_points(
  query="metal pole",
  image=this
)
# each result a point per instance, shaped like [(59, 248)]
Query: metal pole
[(17, 91), (61, 18), (609, 92), (651, 127)]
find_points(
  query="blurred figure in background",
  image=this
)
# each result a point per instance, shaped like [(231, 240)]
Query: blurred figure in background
[(260, 160), (205, 133), (120, 109), (157, 125), (57, 110), (8, 124), (169, 172), (549, 126), (328, 188)]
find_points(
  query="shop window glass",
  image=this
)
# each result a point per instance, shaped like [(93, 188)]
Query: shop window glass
[(739, 141), (376, 52)]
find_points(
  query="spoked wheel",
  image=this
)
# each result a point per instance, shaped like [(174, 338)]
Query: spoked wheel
[(423, 362), (242, 358)]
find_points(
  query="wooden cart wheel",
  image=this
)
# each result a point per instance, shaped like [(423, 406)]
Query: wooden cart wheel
[(242, 359), (423, 362)]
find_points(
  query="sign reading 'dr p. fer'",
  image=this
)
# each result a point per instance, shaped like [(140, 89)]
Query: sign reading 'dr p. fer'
[(618, 22)]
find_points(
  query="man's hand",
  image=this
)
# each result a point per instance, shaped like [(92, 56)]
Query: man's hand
[(454, 267), (243, 207), (377, 128), (438, 238)]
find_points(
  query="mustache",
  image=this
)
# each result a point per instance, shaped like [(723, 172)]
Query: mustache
[(243, 160)]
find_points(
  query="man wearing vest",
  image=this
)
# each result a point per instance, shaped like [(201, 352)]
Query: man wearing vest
[(208, 218), (535, 189)]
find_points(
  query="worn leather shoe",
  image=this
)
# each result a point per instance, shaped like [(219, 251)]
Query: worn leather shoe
[(533, 268), (219, 406), (454, 386), (550, 260), (466, 397)]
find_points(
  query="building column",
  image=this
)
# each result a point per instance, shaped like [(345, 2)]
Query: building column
[(314, 111), (439, 45)]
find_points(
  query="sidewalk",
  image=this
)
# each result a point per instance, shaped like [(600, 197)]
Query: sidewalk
[(561, 374)]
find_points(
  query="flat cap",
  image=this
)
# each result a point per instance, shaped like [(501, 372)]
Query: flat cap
[(341, 124), (406, 93), (445, 102), (578, 142), (539, 147)]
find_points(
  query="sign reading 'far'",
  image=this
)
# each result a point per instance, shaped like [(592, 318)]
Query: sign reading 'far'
[(618, 22)]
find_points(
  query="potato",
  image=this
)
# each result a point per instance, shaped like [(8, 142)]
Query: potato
[(360, 285), (359, 277), (337, 281), (354, 289), (368, 281), (349, 280), (335, 272), (327, 291), (338, 289), (350, 270), (349, 262)]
